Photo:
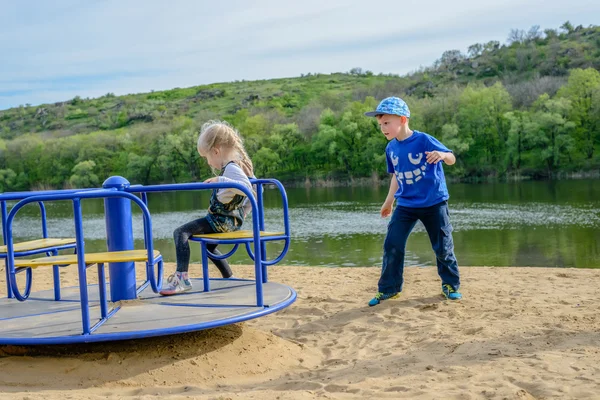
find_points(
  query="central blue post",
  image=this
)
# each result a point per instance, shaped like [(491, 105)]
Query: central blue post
[(119, 237)]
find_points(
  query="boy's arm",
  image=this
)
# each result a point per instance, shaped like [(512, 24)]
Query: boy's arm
[(449, 158), (438, 152), (393, 189), (386, 208), (434, 157)]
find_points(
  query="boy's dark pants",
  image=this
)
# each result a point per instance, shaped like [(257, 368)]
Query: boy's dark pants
[(436, 220)]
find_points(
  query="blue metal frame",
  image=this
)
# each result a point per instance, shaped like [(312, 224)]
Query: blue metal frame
[(125, 192), (76, 198), (260, 259), (4, 198), (259, 267), (119, 236)]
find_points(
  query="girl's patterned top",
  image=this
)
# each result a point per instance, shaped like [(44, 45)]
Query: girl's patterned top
[(228, 206)]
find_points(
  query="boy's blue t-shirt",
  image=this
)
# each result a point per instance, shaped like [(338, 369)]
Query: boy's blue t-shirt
[(420, 184)]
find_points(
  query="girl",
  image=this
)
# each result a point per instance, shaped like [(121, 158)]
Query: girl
[(223, 149)]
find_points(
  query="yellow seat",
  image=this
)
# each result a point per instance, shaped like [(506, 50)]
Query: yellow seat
[(236, 235), (38, 244), (90, 258)]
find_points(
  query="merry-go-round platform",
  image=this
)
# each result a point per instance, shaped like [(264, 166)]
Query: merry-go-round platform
[(121, 307), (42, 320)]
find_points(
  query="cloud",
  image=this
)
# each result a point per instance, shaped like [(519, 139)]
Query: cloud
[(52, 51)]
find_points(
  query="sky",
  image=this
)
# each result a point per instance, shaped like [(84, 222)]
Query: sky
[(55, 50)]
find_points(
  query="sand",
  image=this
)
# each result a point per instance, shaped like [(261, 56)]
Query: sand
[(519, 333)]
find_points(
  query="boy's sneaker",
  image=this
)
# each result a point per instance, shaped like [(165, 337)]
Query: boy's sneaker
[(379, 297), (450, 293), (176, 283)]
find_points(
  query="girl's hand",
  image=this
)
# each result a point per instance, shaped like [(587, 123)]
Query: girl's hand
[(214, 179), (434, 157), (386, 209)]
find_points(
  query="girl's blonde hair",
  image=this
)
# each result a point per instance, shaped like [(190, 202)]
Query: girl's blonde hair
[(221, 135)]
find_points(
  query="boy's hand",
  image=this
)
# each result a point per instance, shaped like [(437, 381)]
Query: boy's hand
[(386, 209), (214, 179), (434, 157)]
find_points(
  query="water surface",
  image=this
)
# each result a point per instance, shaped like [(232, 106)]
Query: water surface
[(553, 224)]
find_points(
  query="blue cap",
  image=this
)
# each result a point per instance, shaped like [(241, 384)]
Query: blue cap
[(391, 105)]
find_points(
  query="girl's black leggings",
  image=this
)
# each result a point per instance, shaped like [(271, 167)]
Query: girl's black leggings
[(182, 247)]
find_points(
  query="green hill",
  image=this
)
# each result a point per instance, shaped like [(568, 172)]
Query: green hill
[(530, 108)]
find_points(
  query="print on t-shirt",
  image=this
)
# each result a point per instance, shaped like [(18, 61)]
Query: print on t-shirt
[(411, 176)]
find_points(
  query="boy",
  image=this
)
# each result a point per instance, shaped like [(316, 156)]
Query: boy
[(419, 188)]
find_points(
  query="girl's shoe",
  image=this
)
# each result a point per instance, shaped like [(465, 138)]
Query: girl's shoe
[(176, 284)]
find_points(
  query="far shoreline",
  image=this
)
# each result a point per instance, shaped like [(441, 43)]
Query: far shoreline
[(375, 180)]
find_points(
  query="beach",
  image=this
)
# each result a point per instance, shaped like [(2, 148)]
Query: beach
[(519, 333)]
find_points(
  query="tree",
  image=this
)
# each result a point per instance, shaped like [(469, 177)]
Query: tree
[(459, 144), (139, 168), (179, 154), (475, 50), (491, 46), (265, 161), (451, 58), (8, 179), (525, 93), (568, 27), (534, 33), (580, 90), (550, 34), (516, 36), (253, 129), (551, 119), (481, 118), (143, 144), (84, 176), (514, 143), (285, 140)]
